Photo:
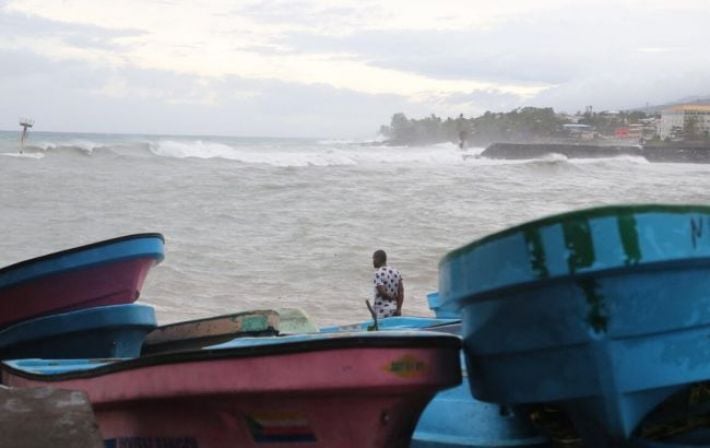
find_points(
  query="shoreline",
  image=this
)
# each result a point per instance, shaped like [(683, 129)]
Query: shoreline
[(664, 153)]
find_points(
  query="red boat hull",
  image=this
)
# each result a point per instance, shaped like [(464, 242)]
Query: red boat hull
[(113, 283), (340, 397)]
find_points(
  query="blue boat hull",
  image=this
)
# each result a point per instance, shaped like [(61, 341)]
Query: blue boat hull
[(453, 419), (604, 312), (104, 332)]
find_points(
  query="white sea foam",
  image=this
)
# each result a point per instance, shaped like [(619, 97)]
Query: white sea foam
[(287, 153), (196, 149), (556, 158), (23, 155), (84, 146), (309, 155), (616, 159)]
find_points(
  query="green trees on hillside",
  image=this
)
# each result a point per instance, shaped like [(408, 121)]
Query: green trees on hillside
[(520, 124)]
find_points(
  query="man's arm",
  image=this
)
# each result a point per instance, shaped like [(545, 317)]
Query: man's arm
[(400, 297)]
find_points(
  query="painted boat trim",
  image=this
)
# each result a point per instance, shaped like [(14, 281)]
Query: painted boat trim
[(597, 241), (100, 318), (238, 348), (121, 248), (594, 212), (395, 323)]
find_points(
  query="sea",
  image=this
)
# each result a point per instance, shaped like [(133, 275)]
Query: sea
[(258, 223)]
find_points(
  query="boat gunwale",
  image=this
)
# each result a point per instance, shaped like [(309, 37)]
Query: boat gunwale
[(585, 213), (77, 249), (461, 300), (413, 341), (131, 315), (214, 318)]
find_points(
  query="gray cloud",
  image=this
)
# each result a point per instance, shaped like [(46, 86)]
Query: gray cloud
[(69, 96), (609, 58), (555, 48)]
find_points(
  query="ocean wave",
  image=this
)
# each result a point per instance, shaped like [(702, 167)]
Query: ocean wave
[(295, 153), (556, 158), (22, 155), (616, 159), (85, 147), (308, 155)]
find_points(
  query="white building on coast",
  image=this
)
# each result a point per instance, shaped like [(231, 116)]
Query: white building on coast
[(677, 118)]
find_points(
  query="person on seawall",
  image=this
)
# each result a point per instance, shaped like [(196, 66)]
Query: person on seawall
[(389, 288)]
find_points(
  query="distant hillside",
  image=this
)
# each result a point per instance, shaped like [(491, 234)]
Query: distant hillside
[(697, 99)]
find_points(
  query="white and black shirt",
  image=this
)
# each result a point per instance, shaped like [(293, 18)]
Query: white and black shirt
[(388, 277)]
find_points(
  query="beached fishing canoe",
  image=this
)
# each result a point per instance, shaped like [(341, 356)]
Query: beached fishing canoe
[(453, 418), (199, 333), (435, 302), (604, 311), (115, 331), (321, 390), (109, 272)]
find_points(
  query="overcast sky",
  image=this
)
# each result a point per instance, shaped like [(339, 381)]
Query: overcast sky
[(327, 68)]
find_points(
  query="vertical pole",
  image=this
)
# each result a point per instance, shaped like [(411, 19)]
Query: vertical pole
[(22, 138)]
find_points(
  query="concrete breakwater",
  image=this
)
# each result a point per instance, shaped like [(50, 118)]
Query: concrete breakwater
[(675, 153)]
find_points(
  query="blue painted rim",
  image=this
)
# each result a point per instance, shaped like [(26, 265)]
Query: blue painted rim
[(113, 250), (395, 323), (100, 318), (593, 212), (592, 241)]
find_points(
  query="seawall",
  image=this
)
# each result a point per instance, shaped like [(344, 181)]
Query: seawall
[(675, 153)]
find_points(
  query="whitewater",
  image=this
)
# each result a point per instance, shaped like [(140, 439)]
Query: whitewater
[(254, 223)]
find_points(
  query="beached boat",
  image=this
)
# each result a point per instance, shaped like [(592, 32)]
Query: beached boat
[(321, 390), (109, 272), (603, 311), (436, 304), (453, 419), (115, 331), (200, 333), (393, 323)]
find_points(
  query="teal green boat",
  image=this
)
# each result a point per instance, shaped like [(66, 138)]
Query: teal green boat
[(604, 313)]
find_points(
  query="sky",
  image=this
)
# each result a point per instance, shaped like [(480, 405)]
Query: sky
[(336, 68)]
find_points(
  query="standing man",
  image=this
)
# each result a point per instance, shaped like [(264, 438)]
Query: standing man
[(389, 289)]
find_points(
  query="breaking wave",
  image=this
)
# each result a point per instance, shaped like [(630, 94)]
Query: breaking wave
[(323, 153), (279, 152), (22, 155), (556, 158)]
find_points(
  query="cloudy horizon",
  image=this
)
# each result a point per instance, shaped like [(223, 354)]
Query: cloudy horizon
[(311, 68)]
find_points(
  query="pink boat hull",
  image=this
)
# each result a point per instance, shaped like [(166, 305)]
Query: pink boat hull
[(341, 397), (114, 283)]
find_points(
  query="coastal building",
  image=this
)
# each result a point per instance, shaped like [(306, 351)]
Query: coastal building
[(580, 131), (677, 120), (630, 132)]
